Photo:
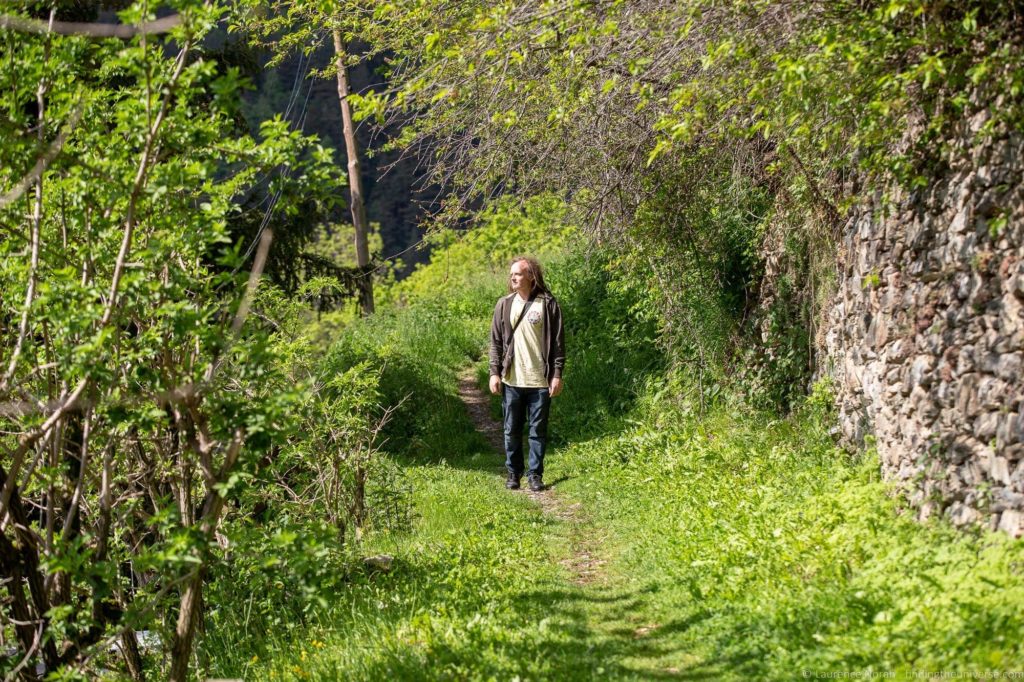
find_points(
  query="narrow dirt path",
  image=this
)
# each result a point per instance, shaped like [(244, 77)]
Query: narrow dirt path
[(584, 562), (617, 618)]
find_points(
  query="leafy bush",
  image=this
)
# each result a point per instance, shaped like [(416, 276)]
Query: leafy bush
[(503, 229), (611, 337), (145, 397)]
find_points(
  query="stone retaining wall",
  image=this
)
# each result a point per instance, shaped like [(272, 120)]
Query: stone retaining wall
[(925, 336)]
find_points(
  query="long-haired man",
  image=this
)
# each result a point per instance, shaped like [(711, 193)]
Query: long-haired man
[(527, 355)]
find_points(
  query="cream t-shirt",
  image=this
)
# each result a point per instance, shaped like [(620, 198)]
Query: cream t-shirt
[(527, 368)]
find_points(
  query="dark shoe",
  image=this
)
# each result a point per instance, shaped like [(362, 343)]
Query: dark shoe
[(513, 482), (536, 484)]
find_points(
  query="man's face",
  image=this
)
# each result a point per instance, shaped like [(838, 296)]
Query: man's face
[(519, 276)]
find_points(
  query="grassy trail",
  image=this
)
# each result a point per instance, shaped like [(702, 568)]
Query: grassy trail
[(490, 584), (583, 562), (619, 636)]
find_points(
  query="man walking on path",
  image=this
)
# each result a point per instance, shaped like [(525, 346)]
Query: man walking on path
[(526, 357)]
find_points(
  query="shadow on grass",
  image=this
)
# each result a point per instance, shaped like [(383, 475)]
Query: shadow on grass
[(560, 479), (432, 425), (578, 649)]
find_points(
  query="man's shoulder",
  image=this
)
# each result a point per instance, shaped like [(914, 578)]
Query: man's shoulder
[(504, 300)]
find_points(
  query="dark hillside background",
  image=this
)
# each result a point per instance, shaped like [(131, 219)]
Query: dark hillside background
[(392, 199), (291, 89)]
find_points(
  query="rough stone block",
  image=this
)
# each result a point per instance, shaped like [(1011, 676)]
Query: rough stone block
[(960, 514), (1012, 523), (921, 371), (967, 397), (988, 361), (1017, 478), (877, 332), (1014, 453), (963, 285), (962, 450), (992, 393), (970, 472), (1015, 285), (986, 425), (897, 351), (965, 360), (1011, 322), (967, 247), (1004, 498), (922, 405), (873, 387), (999, 470), (893, 386), (853, 374), (945, 393), (1009, 365), (960, 222), (1007, 429), (905, 469)]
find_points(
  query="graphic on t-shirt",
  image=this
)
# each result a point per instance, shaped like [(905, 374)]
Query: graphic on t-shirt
[(533, 317)]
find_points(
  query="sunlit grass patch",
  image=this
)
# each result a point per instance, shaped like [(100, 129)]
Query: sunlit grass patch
[(762, 549), (457, 604)]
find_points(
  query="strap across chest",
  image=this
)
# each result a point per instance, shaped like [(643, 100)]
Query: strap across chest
[(526, 308)]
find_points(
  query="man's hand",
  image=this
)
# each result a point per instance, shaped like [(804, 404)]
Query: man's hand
[(495, 384), (556, 387)]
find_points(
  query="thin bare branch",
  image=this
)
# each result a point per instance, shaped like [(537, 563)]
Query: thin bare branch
[(89, 29)]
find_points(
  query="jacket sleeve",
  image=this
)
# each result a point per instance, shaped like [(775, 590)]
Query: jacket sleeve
[(497, 346), (557, 340)]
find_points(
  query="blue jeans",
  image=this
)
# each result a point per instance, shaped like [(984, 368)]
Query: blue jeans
[(525, 406)]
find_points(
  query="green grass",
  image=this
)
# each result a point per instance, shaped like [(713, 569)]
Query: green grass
[(737, 547), (469, 595), (761, 551)]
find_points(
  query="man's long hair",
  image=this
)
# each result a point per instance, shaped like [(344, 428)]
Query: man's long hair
[(533, 270)]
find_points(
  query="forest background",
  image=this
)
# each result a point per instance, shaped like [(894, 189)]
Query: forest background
[(199, 455)]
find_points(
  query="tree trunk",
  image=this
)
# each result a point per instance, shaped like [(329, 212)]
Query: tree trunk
[(355, 181), (181, 647), (359, 497), (189, 615), (21, 561), (132, 656)]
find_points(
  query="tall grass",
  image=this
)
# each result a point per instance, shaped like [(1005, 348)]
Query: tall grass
[(767, 552)]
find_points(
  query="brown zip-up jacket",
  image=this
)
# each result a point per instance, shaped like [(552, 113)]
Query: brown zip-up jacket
[(502, 349)]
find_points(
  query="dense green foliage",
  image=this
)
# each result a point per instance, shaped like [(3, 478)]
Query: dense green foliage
[(142, 404), (705, 135)]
